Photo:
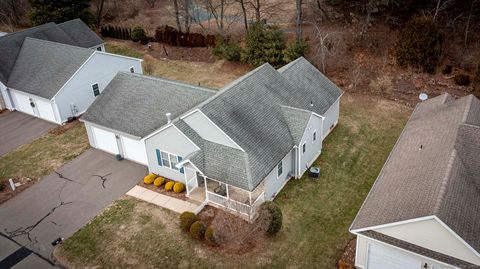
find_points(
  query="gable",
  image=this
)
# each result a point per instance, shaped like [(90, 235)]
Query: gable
[(170, 140), (208, 130), (431, 234)]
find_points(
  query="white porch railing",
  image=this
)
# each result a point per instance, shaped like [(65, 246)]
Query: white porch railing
[(191, 184), (236, 206)]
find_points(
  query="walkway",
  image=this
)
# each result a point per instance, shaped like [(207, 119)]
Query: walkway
[(164, 201)]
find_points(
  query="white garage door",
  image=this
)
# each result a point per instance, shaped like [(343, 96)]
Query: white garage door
[(105, 140), (45, 110), (383, 257), (134, 150), (22, 102)]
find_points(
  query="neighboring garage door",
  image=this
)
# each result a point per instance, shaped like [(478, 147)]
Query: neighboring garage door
[(383, 257), (105, 140), (134, 150), (22, 102)]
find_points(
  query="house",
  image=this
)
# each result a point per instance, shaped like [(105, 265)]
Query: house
[(233, 148), (52, 80), (73, 32), (423, 211)]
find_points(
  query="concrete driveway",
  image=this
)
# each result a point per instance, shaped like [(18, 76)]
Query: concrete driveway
[(66, 200), (17, 128)]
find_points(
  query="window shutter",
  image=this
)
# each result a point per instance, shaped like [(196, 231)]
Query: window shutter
[(179, 159), (159, 157)]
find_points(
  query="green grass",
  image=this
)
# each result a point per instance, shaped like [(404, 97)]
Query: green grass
[(317, 213), (123, 50), (45, 154)]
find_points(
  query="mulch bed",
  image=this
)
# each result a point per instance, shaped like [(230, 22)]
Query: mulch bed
[(347, 260), (161, 189), (7, 192)]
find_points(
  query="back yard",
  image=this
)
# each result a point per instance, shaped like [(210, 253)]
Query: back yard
[(317, 214)]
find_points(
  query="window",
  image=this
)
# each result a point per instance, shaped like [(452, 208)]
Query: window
[(304, 147), (280, 169), (99, 48), (96, 90), (169, 160), (314, 136), (132, 70)]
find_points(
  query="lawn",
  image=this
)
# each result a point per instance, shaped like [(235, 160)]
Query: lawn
[(212, 75), (317, 213), (45, 154)]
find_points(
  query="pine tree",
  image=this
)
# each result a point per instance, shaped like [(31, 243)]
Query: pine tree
[(43, 11)]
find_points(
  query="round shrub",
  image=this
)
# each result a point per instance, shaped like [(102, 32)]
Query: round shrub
[(159, 181), (420, 44), (187, 218), (197, 230), (210, 236), (276, 217), (178, 187), (137, 34), (149, 178), (462, 79), (169, 185)]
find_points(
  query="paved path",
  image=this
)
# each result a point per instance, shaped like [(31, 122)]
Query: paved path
[(64, 201), (17, 128), (165, 201)]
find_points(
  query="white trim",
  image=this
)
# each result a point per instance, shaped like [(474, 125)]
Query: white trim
[(170, 161), (158, 130), (31, 95), (356, 253), (199, 111), (198, 148), (356, 231), (456, 235), (117, 55), (194, 166), (109, 129), (401, 249), (74, 74)]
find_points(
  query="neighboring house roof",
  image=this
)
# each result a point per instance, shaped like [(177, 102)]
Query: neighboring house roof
[(73, 32), (419, 250), (318, 92), (136, 104), (43, 67), (433, 169)]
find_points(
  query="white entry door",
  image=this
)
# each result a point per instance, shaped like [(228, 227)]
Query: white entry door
[(384, 257)]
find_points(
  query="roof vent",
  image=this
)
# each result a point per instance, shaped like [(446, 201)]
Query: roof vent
[(311, 103), (421, 147), (423, 96), (169, 117)]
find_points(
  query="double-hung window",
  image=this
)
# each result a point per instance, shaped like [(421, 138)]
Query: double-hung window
[(169, 160), (280, 169), (314, 136), (304, 147), (132, 69), (96, 90)]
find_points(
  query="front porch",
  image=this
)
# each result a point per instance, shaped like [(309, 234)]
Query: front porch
[(235, 200)]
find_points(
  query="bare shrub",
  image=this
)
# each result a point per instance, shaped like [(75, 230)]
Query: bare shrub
[(382, 85), (148, 64)]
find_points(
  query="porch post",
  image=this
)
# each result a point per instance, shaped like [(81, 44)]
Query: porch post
[(250, 197), (186, 180), (206, 187), (228, 194)]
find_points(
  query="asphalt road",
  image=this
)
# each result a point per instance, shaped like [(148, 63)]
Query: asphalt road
[(63, 202), (17, 128)]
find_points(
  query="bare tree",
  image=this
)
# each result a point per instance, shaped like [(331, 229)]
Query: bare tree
[(151, 3), (467, 27), (244, 13), (327, 43), (177, 15), (98, 7), (187, 17), (11, 12), (441, 5), (298, 20), (218, 12)]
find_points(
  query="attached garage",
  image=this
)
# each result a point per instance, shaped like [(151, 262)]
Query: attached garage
[(33, 105), (382, 257), (106, 140)]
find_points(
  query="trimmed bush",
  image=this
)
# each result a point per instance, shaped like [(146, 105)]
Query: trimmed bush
[(197, 230), (187, 219), (137, 34), (210, 236), (149, 178), (420, 44), (169, 185), (159, 181), (277, 218), (295, 50), (462, 79), (178, 187)]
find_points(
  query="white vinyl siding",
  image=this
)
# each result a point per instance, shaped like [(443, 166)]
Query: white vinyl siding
[(168, 160)]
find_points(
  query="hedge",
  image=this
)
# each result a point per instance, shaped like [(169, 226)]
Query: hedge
[(187, 218), (197, 230)]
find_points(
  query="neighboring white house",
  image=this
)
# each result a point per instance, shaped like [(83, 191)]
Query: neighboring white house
[(54, 81), (236, 147), (74, 32), (423, 212)]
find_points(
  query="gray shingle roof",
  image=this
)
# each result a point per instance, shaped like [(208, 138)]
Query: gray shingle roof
[(78, 35), (137, 104), (297, 120), (420, 250), (314, 87), (432, 170), (43, 67)]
